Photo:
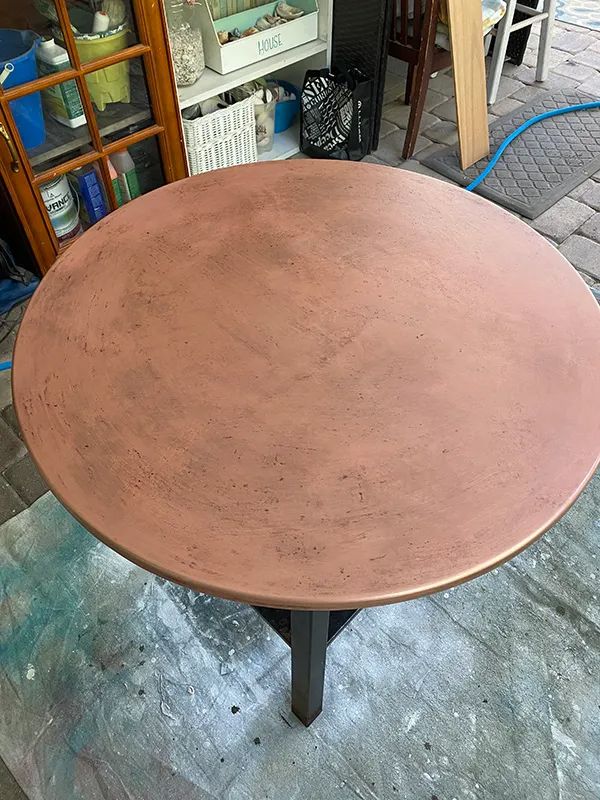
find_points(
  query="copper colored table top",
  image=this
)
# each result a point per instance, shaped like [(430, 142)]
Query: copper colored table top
[(311, 384)]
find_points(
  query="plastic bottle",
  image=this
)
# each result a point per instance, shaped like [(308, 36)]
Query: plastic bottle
[(62, 101), (128, 180), (114, 179)]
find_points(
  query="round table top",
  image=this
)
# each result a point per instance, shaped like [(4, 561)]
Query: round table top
[(312, 384)]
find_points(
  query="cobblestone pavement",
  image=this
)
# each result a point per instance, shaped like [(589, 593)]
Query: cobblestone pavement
[(573, 223)]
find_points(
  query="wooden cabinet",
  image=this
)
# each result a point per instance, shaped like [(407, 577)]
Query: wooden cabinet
[(127, 102)]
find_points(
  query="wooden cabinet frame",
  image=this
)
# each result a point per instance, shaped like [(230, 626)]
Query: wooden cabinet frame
[(18, 176)]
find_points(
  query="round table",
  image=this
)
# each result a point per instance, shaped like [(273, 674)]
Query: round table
[(311, 386)]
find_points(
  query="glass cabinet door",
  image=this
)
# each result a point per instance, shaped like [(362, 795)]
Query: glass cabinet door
[(88, 111)]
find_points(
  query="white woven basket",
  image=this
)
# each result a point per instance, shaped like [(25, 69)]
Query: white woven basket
[(224, 138)]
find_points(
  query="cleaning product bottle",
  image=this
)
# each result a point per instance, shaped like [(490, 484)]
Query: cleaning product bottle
[(128, 180), (62, 101)]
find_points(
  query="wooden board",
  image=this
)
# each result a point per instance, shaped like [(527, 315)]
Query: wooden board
[(466, 38)]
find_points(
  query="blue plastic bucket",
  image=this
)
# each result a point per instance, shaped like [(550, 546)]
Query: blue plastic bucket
[(287, 111), (18, 48)]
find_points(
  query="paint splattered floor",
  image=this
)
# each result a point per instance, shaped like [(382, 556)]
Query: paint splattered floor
[(115, 684)]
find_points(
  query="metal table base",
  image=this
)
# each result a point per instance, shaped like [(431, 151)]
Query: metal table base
[(308, 634)]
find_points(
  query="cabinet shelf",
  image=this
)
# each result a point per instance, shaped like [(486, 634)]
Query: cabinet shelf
[(285, 145), (211, 83)]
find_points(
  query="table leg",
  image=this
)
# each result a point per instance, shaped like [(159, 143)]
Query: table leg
[(309, 635)]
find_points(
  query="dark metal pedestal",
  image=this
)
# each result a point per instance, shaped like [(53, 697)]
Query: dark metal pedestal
[(307, 633)]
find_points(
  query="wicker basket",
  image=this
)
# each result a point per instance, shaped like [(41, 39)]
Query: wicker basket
[(224, 138)]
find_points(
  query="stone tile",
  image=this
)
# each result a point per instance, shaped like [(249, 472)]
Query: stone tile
[(527, 93), (390, 148), (396, 67), (589, 57), (9, 416), (507, 87), (444, 132), (506, 106), (591, 86), (433, 147), (26, 480), (580, 190), (572, 41), (525, 73), (584, 254), (371, 159), (434, 99), (588, 279), (10, 502), (398, 114), (415, 166), (563, 219), (5, 388), (577, 72), (446, 110), (386, 128), (591, 197), (591, 228), (11, 447), (442, 83)]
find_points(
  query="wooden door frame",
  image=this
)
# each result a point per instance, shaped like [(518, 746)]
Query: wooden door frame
[(153, 49)]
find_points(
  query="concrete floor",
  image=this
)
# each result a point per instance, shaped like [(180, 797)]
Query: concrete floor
[(574, 226)]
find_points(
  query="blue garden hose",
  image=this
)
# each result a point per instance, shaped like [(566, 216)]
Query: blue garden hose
[(4, 365), (521, 129)]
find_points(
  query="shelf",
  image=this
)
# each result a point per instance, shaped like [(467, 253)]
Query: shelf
[(63, 142), (212, 83), (286, 144)]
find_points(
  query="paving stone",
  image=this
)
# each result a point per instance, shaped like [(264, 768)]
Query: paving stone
[(577, 72), (10, 502), (396, 67), (580, 190), (11, 447), (390, 148), (588, 279), (525, 73), (556, 57), (434, 99), (527, 93), (442, 83), (444, 132), (591, 197), (371, 159), (415, 166), (591, 228), (588, 58), (591, 86), (446, 110), (572, 41), (506, 106), (9, 416), (507, 87), (398, 114), (386, 128), (25, 479), (563, 219), (584, 254)]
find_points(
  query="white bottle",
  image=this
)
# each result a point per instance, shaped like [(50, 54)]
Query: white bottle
[(62, 101)]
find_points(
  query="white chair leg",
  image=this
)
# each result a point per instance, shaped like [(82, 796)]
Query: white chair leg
[(547, 29), (500, 46)]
